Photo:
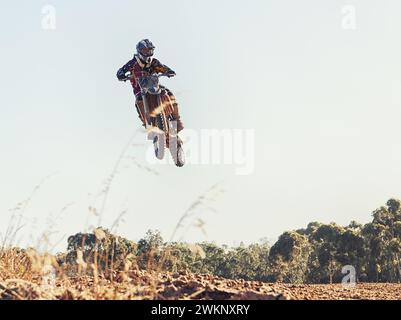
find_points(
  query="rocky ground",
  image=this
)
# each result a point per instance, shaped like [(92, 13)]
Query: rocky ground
[(145, 285)]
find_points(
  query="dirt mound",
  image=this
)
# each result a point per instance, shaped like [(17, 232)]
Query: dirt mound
[(151, 285), (192, 286), (140, 285), (362, 291)]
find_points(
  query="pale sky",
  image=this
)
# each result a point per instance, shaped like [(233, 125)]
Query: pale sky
[(323, 101)]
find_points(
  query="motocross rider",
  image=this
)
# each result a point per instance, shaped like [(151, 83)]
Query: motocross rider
[(143, 61)]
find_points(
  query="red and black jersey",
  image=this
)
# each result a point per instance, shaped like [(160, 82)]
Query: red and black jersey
[(136, 67)]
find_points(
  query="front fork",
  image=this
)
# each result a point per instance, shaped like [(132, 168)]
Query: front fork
[(170, 125), (150, 122), (146, 111)]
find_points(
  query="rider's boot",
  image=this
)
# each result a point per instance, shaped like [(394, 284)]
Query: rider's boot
[(176, 115), (175, 112), (180, 125), (140, 108)]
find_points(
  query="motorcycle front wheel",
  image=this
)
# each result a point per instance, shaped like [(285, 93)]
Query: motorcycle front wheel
[(159, 139)]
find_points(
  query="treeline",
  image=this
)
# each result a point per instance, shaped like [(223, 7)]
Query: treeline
[(315, 254)]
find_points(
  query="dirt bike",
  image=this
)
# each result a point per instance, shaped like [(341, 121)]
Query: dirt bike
[(161, 127)]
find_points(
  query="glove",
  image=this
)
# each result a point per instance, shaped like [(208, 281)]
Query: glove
[(128, 76), (170, 73)]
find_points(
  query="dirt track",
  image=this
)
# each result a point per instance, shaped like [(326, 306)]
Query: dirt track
[(207, 287), (144, 285), (371, 291)]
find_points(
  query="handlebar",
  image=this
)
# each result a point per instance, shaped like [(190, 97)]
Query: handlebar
[(165, 74)]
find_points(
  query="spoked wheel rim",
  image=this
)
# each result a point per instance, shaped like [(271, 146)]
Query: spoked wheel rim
[(159, 139), (177, 151), (180, 156), (159, 146)]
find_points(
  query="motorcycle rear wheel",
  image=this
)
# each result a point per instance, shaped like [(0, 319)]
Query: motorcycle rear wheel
[(177, 151)]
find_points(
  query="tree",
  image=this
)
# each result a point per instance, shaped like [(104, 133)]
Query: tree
[(289, 257), (322, 261), (149, 249), (383, 240), (101, 249)]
